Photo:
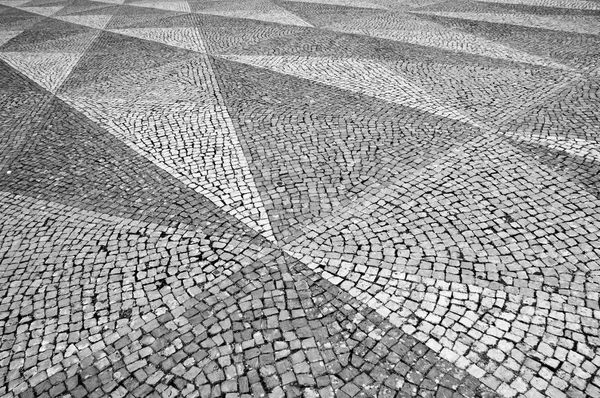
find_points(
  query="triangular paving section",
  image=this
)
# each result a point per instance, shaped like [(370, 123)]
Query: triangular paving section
[(46, 29), (49, 70), (186, 37), (179, 6), (574, 159), (262, 10), (495, 93), (82, 6), (19, 100), (576, 4), (411, 29), (345, 3), (575, 24), (74, 42), (7, 35), (42, 3), (371, 141), (204, 154), (570, 113), (112, 1), (394, 275), (15, 19), (576, 147), (128, 16), (546, 43), (91, 21), (271, 323), (45, 56), (113, 55), (106, 288), (13, 3), (69, 159), (498, 206), (44, 11), (222, 33), (383, 83)]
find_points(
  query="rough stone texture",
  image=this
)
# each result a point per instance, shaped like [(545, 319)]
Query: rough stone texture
[(311, 198)]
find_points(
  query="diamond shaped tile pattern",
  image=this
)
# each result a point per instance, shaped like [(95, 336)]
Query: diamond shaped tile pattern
[(312, 198)]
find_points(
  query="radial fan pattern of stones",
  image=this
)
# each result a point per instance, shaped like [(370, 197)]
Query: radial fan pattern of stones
[(309, 198)]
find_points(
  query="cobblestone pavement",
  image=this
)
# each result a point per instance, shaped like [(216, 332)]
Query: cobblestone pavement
[(309, 198)]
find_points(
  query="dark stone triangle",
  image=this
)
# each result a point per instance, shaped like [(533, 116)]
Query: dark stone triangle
[(572, 49), (138, 10), (273, 322), (20, 98), (113, 54), (47, 30), (15, 19), (296, 179), (571, 113), (143, 18), (68, 159), (582, 171), (223, 33), (106, 9), (329, 43)]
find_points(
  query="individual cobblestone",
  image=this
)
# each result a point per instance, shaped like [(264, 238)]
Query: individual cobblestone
[(316, 198)]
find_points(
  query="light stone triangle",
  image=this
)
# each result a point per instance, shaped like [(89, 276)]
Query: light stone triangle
[(91, 21), (45, 11), (49, 70), (577, 4), (204, 152), (482, 152), (260, 10), (181, 6), (411, 29), (76, 43), (185, 38), (565, 23), (7, 35), (346, 74)]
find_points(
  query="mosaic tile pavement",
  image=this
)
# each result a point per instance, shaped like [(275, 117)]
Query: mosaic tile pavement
[(309, 198)]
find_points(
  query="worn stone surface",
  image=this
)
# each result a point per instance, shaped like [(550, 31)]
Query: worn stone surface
[(268, 198)]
